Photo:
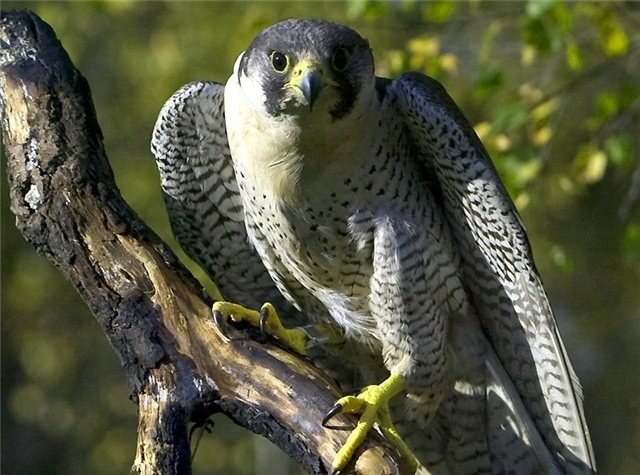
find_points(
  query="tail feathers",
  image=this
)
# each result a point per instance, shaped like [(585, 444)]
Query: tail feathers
[(482, 426), (515, 444)]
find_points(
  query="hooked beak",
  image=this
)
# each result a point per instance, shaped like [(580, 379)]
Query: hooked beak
[(307, 82)]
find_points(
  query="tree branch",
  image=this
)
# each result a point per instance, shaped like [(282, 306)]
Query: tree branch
[(180, 367)]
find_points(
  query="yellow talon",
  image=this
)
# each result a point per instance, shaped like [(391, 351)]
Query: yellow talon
[(237, 313), (373, 404), (293, 338), (267, 320)]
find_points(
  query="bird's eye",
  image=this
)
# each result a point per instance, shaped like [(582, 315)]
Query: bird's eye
[(340, 59), (279, 61)]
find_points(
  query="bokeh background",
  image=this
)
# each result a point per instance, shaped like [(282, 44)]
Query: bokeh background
[(552, 88)]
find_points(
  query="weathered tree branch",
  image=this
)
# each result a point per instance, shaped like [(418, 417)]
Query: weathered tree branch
[(180, 367)]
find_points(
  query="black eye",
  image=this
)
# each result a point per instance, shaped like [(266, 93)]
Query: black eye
[(279, 61), (340, 59)]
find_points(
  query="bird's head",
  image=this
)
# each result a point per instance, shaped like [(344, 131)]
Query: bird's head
[(299, 67)]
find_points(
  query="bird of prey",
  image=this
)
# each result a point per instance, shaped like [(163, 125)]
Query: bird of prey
[(369, 206)]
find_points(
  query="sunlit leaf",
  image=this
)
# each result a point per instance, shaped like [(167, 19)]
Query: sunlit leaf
[(529, 93), (518, 168), (119, 6), (366, 9), (607, 105), (425, 47), (536, 8), (488, 39), (439, 11), (566, 184), (561, 15), (544, 110), (356, 8), (501, 142), (590, 164), (423, 52), (614, 39), (528, 54), (522, 200), (528, 170), (449, 62), (619, 150), (482, 129), (396, 62), (574, 56), (542, 136)]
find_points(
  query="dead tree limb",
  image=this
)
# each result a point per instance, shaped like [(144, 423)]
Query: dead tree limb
[(180, 367)]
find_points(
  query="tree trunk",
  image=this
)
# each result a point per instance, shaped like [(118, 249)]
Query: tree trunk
[(180, 367)]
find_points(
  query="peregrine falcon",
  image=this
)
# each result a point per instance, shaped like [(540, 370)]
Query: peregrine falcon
[(369, 207)]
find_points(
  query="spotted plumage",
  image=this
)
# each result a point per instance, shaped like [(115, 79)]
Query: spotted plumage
[(372, 206), (201, 194)]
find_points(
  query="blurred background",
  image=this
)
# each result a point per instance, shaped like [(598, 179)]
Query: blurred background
[(552, 88)]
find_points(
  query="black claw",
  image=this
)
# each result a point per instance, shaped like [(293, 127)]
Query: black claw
[(335, 410), (220, 322), (264, 316)]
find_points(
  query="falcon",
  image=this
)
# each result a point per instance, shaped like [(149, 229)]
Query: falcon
[(368, 210)]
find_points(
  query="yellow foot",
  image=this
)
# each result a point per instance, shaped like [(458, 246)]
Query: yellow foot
[(373, 405), (298, 339)]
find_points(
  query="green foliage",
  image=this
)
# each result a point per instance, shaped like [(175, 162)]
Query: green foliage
[(632, 244), (552, 89), (368, 10), (439, 11)]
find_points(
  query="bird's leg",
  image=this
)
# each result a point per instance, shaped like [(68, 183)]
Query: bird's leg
[(373, 405), (298, 339)]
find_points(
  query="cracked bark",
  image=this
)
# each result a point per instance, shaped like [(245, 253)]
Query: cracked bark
[(180, 367)]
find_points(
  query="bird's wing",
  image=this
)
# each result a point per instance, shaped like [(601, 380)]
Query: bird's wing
[(499, 271), (190, 146)]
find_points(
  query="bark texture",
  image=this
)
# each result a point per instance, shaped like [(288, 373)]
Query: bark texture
[(181, 368)]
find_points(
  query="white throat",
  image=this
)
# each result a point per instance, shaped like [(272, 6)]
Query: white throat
[(283, 154)]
